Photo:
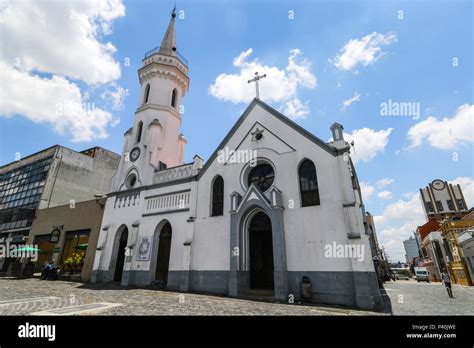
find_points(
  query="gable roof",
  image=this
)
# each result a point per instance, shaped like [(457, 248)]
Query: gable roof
[(331, 150)]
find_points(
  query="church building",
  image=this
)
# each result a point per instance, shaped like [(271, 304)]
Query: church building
[(273, 211)]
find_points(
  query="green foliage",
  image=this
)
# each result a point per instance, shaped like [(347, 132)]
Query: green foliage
[(404, 272), (74, 259)]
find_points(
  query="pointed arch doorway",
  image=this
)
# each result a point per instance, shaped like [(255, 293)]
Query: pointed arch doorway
[(245, 225), (164, 252), (261, 252), (122, 244)]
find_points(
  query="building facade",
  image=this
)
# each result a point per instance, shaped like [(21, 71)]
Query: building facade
[(53, 177), (434, 255), (466, 243), (411, 249), (443, 204), (262, 214), (68, 235), (458, 235), (376, 251), (442, 200)]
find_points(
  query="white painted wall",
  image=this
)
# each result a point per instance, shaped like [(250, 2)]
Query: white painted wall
[(307, 229), (129, 215)]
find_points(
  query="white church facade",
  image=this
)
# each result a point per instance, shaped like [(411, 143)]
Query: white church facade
[(259, 221)]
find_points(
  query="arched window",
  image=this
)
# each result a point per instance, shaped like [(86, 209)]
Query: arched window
[(308, 184), (174, 97), (217, 196), (139, 131), (147, 94)]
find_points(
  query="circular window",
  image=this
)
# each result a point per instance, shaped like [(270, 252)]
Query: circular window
[(262, 176), (131, 180)]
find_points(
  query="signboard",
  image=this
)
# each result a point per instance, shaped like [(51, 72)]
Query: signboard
[(144, 248), (55, 235), (463, 237)]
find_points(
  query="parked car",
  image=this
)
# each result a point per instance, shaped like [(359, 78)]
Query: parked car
[(421, 274), (402, 277)]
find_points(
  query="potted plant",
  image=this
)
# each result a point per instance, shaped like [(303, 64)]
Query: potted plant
[(68, 264), (78, 260)]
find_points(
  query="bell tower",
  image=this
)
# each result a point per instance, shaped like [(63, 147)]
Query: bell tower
[(155, 141)]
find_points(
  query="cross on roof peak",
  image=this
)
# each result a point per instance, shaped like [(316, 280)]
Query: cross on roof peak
[(255, 79)]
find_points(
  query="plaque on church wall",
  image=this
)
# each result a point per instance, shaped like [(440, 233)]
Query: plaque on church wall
[(144, 247), (55, 235)]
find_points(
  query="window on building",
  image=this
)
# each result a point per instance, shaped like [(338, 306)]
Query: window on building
[(131, 180), (139, 131), (147, 94), (218, 196), (308, 184), (74, 251), (174, 97), (162, 166), (429, 207), (439, 204), (450, 204), (461, 204), (20, 193)]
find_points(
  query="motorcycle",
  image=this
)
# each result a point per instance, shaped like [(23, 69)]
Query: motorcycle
[(51, 273)]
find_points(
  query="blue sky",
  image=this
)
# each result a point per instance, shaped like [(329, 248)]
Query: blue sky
[(362, 50)]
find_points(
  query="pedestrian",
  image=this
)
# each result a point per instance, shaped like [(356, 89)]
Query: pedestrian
[(447, 283), (46, 269)]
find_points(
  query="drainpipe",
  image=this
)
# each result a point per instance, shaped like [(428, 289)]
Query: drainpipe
[(54, 181)]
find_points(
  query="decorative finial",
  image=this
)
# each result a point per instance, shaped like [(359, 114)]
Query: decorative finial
[(173, 14), (257, 134), (255, 79)]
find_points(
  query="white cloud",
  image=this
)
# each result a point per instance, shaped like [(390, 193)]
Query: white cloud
[(447, 133), (384, 195), (397, 223), (384, 182), (61, 38), (363, 51), (367, 143), (392, 240), (49, 50), (279, 86), (116, 95), (429, 110), (367, 190), (348, 102), (295, 108), (409, 210), (55, 101)]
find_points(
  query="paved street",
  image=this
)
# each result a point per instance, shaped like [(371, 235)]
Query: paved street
[(408, 297), (33, 296), (27, 296)]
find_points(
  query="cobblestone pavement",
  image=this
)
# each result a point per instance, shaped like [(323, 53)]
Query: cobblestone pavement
[(408, 297), (26, 296)]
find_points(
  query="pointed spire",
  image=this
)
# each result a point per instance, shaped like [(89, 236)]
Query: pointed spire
[(168, 45)]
